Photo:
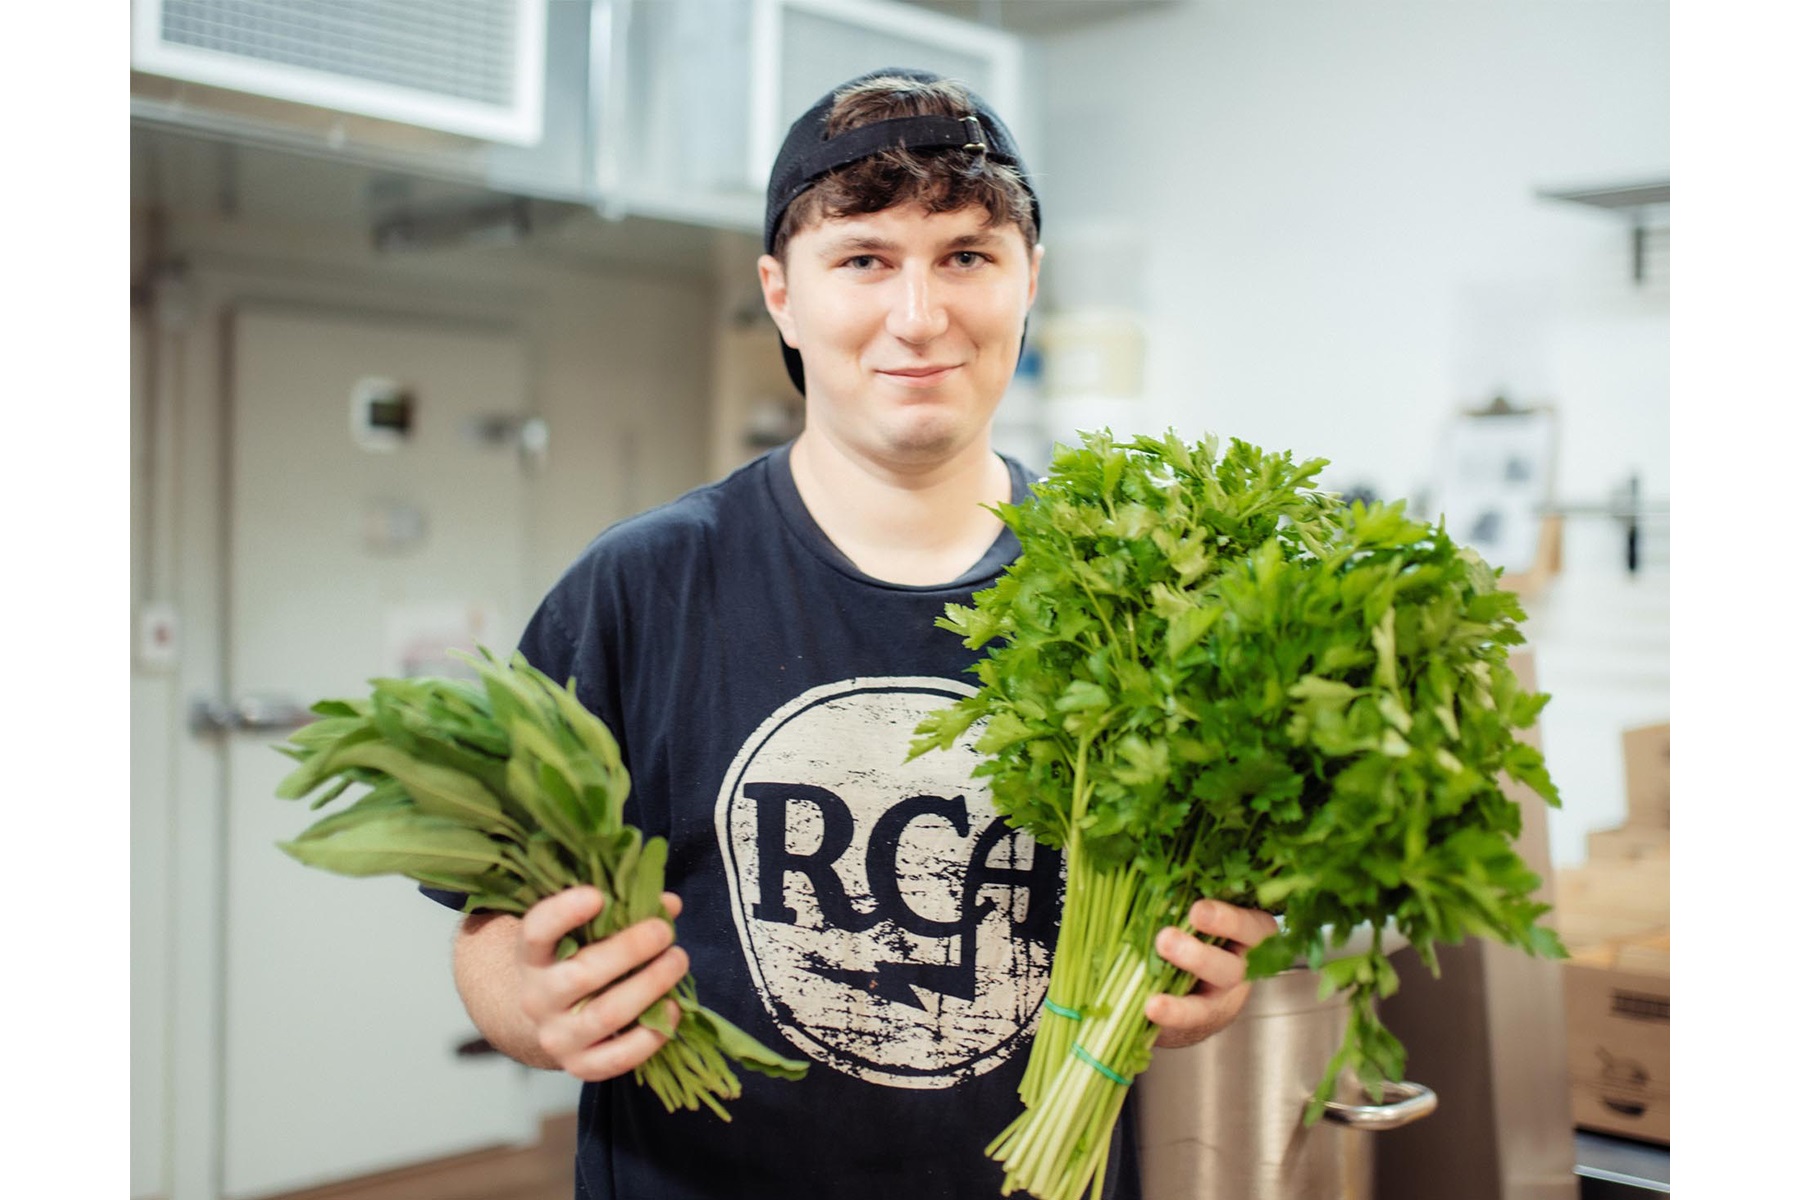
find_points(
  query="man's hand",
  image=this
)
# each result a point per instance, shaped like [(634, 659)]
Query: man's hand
[(1221, 992), (578, 1015)]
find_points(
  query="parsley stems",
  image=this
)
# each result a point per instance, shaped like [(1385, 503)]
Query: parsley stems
[(1067, 989), (1058, 1147), (1093, 1037)]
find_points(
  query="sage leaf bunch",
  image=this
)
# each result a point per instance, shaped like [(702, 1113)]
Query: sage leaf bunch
[(1208, 677), (505, 789)]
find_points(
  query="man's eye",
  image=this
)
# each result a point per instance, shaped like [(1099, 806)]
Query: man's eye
[(969, 258), (860, 262)]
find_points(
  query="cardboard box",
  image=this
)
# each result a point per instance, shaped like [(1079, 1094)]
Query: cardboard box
[(1629, 843), (1607, 901), (1641, 954), (1647, 775), (1613, 915), (1618, 1038)]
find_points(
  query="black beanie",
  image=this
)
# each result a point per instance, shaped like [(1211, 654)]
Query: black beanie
[(806, 154)]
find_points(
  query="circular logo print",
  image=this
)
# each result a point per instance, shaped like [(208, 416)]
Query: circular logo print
[(894, 926)]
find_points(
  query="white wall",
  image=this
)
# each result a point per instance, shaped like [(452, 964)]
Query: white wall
[(1327, 214)]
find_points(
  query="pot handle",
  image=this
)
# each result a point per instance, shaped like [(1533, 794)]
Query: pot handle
[(1407, 1102)]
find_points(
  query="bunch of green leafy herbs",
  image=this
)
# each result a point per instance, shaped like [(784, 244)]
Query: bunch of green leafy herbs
[(506, 789), (1206, 677)]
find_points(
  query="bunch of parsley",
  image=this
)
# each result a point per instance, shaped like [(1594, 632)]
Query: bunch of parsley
[(1206, 677)]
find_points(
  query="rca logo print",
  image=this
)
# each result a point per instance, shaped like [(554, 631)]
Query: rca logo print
[(894, 926)]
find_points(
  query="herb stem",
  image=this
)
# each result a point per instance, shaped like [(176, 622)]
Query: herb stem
[(522, 865)]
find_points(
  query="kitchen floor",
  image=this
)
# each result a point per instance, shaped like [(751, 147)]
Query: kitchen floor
[(1609, 1169), (544, 1171)]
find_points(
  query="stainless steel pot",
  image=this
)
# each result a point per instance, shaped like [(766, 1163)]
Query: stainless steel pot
[(1223, 1120)]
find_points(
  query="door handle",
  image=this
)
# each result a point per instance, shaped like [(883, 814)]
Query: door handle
[(475, 1047), (252, 714)]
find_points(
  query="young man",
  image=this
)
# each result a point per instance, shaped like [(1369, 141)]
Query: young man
[(763, 648)]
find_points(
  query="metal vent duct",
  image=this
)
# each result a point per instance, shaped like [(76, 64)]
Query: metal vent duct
[(472, 67)]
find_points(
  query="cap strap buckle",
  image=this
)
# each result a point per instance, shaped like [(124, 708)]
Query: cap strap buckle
[(977, 142)]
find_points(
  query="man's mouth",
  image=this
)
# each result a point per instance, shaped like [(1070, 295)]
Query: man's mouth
[(919, 376)]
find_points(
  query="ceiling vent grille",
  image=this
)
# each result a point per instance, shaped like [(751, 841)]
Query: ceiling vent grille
[(473, 67)]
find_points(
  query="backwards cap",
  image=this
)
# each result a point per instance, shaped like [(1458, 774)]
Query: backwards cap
[(807, 154)]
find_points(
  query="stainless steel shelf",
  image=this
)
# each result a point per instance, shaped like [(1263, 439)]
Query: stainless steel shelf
[(1612, 1168)]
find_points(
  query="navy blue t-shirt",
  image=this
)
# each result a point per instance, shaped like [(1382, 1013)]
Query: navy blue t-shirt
[(843, 905)]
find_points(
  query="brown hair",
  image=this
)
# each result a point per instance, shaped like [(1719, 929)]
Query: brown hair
[(940, 180)]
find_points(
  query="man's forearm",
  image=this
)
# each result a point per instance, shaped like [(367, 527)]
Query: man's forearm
[(486, 966)]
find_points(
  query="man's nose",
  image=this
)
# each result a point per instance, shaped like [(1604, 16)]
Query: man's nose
[(917, 313)]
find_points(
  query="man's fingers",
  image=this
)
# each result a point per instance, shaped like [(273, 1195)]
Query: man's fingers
[(1193, 1011), (550, 919), (1215, 966), (617, 1055), (1245, 926), (1222, 991), (603, 1014), (600, 964), (610, 1014), (1196, 1017), (584, 1009)]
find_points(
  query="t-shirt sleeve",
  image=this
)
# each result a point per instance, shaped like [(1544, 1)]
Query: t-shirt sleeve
[(572, 635), (546, 643)]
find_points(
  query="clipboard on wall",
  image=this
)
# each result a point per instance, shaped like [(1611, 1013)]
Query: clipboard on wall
[(1494, 485)]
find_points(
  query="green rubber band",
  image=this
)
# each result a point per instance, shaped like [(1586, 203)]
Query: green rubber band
[(1059, 1010), (1101, 1067)]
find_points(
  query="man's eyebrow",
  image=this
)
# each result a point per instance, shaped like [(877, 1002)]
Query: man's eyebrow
[(854, 243)]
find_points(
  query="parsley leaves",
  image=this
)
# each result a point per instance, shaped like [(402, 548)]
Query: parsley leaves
[(1207, 677)]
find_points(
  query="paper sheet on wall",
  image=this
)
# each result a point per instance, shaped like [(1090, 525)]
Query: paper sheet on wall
[(420, 638)]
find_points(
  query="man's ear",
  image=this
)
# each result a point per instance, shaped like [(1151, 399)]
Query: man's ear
[(773, 277), (1037, 260)]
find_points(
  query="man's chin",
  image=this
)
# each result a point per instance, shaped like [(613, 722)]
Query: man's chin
[(912, 438), (925, 443)]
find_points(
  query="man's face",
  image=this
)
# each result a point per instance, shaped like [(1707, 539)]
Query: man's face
[(908, 323)]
